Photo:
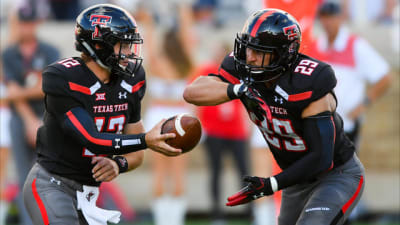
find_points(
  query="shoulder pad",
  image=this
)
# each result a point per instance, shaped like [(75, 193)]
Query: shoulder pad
[(135, 84), (58, 76), (324, 82), (227, 71), (309, 80), (54, 82)]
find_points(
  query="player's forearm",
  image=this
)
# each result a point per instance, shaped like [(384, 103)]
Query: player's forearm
[(301, 171), (206, 91), (80, 125), (319, 134), (134, 159)]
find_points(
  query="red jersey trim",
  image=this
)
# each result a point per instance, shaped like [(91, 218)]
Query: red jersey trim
[(351, 200), (137, 86), (39, 201), (300, 96), (334, 129), (79, 88), (229, 77), (82, 130), (334, 140)]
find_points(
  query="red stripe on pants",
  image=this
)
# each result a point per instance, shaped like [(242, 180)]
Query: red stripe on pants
[(40, 203), (348, 204)]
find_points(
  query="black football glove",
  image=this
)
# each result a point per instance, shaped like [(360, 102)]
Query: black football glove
[(250, 98), (256, 188)]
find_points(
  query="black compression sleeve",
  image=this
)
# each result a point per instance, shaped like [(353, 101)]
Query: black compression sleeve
[(80, 125), (319, 134)]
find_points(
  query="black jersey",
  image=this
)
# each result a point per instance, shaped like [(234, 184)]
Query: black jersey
[(70, 83), (307, 81)]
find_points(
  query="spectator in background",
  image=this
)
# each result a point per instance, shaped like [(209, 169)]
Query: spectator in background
[(170, 67), (369, 11), (23, 63), (64, 10), (5, 115), (204, 11), (226, 131), (356, 65)]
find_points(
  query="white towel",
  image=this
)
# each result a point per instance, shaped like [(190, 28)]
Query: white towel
[(93, 214)]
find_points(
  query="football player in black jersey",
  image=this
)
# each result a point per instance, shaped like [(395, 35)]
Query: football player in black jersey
[(92, 127), (289, 96)]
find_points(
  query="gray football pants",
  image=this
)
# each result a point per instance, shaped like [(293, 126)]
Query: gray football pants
[(51, 199), (326, 201)]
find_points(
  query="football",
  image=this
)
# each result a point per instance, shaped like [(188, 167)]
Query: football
[(187, 129)]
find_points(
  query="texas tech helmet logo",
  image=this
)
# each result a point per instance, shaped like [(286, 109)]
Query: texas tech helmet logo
[(292, 32), (101, 20)]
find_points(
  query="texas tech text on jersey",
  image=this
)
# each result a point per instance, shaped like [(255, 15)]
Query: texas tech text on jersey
[(308, 80), (111, 106)]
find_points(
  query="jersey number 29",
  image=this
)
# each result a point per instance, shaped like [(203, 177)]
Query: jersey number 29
[(280, 133)]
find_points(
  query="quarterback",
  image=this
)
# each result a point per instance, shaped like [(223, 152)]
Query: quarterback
[(290, 98), (92, 127)]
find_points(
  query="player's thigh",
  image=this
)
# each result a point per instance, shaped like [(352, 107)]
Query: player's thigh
[(293, 200), (335, 197), (46, 201)]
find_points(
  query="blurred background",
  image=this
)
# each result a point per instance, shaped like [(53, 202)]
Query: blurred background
[(190, 38)]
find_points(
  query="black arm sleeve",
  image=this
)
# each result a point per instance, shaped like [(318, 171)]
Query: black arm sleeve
[(319, 134), (80, 125)]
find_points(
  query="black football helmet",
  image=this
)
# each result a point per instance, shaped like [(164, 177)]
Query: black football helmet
[(268, 31), (99, 28)]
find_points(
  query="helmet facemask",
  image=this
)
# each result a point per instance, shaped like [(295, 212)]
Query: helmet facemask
[(130, 46), (108, 58), (279, 60)]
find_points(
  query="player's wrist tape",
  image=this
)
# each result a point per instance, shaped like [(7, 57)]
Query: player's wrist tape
[(233, 91), (231, 94), (274, 184), (122, 163)]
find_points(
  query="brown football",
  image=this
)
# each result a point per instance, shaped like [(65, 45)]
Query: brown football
[(187, 129)]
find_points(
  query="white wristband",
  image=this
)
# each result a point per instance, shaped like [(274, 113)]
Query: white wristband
[(236, 89), (274, 184)]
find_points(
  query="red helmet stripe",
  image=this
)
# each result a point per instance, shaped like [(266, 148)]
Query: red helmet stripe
[(259, 21)]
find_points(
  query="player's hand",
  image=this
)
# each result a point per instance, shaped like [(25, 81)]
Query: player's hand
[(105, 169), (156, 141), (252, 100), (256, 188)]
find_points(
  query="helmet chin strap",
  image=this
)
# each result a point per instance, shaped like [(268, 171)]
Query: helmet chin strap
[(94, 56), (266, 80)]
